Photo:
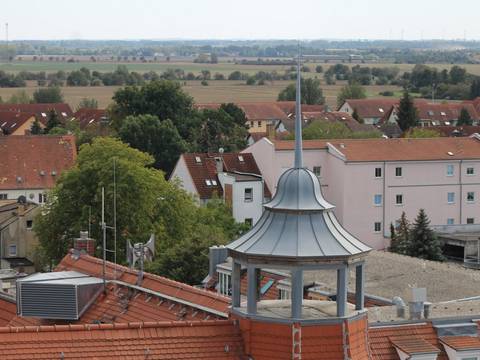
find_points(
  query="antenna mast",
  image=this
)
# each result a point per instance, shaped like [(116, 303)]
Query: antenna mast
[(104, 233), (6, 49), (115, 218), (298, 117)]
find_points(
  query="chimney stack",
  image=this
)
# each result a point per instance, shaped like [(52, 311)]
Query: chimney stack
[(84, 243)]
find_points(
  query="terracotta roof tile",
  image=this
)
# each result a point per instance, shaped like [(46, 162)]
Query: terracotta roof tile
[(414, 345), (205, 171), (93, 266), (372, 108), (143, 340), (444, 112), (26, 157), (460, 343), (40, 110), (253, 110), (8, 310), (90, 117), (454, 130), (11, 121), (408, 149)]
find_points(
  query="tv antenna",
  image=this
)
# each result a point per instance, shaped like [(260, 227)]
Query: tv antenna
[(6, 42)]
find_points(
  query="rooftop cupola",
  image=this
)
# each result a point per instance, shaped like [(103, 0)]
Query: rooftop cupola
[(298, 231)]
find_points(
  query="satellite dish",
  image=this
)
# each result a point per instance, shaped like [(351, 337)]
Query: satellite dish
[(22, 199), (221, 150)]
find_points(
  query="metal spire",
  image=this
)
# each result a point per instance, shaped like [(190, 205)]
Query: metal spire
[(298, 118)]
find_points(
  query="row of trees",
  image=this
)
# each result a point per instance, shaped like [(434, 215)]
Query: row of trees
[(39, 96), (417, 239)]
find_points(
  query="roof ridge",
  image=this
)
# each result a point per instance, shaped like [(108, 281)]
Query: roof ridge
[(114, 326)]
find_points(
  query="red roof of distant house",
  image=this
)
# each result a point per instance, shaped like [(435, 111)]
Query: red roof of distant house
[(10, 121), (288, 107), (89, 117), (206, 170), (8, 309), (142, 340), (443, 112), (40, 110), (253, 110), (372, 108), (34, 162)]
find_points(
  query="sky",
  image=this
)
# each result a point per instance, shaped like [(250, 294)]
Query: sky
[(240, 19)]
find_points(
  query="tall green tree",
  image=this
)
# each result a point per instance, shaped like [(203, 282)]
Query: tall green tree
[(357, 116), (464, 118), (87, 103), (407, 112), (36, 129), (48, 95), (164, 99), (424, 243), (351, 91), (400, 242), (475, 88), (312, 93), (20, 97), (52, 122), (158, 138), (237, 114)]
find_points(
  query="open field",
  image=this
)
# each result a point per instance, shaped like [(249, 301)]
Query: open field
[(216, 91), (188, 66)]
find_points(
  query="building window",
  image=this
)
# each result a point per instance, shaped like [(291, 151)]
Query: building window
[(283, 294), (377, 226), (259, 123), (251, 124), (377, 199), (451, 197), (470, 196), (3, 196), (29, 224), (224, 283), (450, 221), (248, 195), (449, 170), (317, 170), (12, 250), (42, 198), (249, 222), (398, 172), (470, 221), (470, 171), (378, 172), (399, 199)]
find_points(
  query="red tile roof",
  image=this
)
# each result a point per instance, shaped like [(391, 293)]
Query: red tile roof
[(11, 121), (395, 149), (288, 107), (382, 339), (8, 309), (414, 345), (372, 108), (147, 340), (40, 110), (25, 157), (203, 299), (408, 149), (90, 117), (206, 169), (444, 112), (460, 343), (329, 116), (253, 110)]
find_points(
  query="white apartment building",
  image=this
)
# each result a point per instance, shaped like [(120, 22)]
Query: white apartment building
[(372, 181)]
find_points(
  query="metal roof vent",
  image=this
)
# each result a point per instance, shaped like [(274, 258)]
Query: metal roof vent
[(62, 295)]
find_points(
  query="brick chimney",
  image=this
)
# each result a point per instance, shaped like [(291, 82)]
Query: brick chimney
[(84, 243)]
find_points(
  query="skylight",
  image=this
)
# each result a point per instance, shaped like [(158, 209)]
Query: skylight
[(198, 160), (381, 110), (44, 115), (443, 113), (5, 123), (64, 114), (430, 113), (450, 153), (13, 125), (240, 158), (208, 182), (447, 122), (214, 182)]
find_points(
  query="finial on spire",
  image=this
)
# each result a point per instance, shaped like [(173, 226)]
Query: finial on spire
[(298, 117)]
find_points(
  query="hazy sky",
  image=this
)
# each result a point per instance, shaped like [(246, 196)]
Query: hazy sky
[(240, 19)]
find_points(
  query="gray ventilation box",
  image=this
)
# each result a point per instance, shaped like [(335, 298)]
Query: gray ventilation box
[(62, 295)]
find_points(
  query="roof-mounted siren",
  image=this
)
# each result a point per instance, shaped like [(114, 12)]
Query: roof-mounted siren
[(141, 252)]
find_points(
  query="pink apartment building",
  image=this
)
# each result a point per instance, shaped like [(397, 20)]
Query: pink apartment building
[(375, 180)]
